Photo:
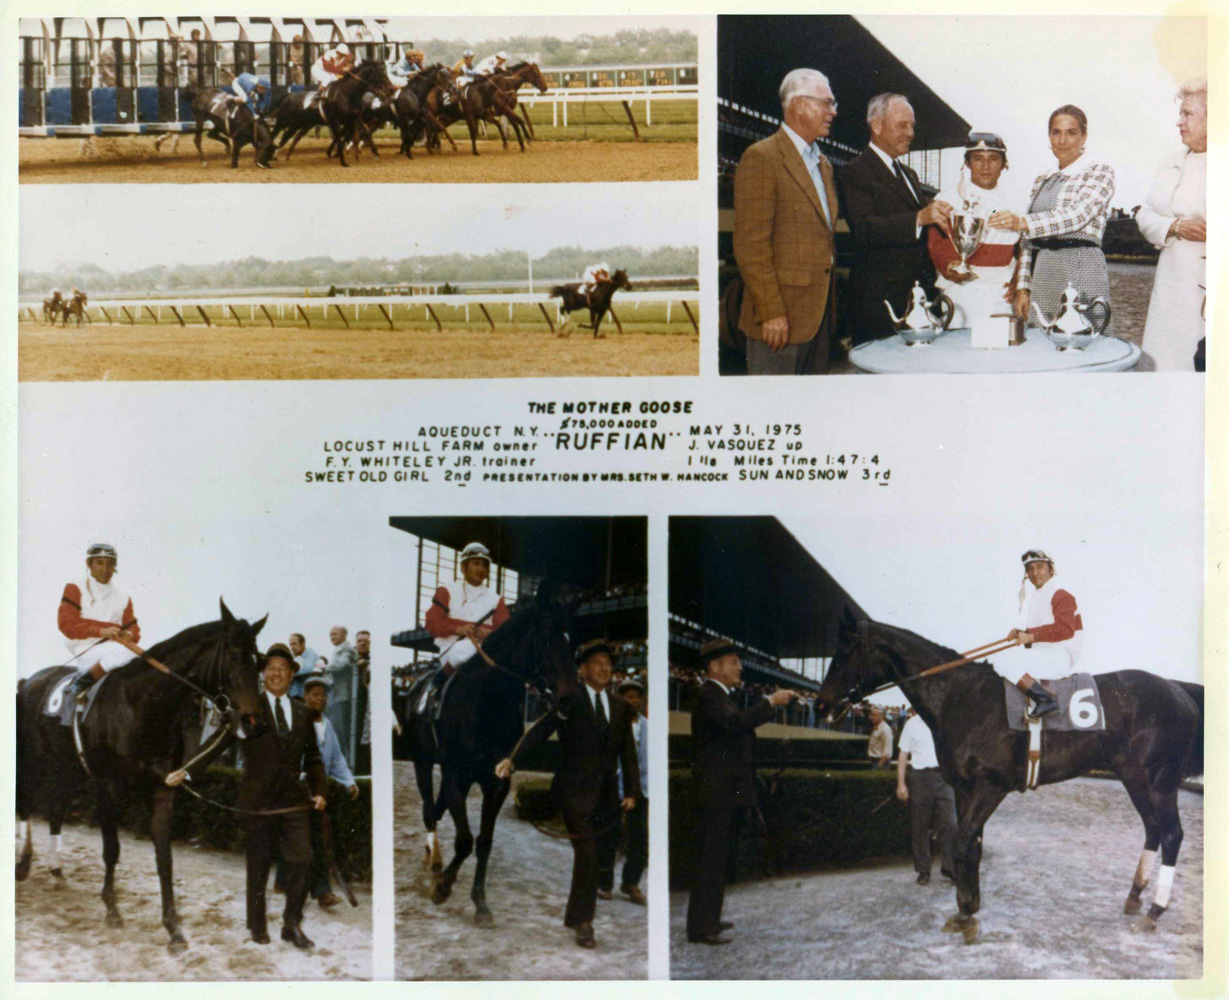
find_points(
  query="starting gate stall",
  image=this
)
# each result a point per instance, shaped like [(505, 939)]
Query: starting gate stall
[(324, 34), (235, 53), (35, 37), (70, 94), (158, 75), (366, 38), (115, 91), (289, 57), (263, 47), (198, 63)]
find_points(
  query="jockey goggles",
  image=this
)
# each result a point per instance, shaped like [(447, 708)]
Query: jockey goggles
[(101, 550), (1035, 555)]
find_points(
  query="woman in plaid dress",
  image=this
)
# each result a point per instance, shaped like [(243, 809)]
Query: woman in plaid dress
[(1060, 237)]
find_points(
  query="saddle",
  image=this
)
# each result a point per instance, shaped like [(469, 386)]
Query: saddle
[(435, 691), (1079, 710), (61, 703)]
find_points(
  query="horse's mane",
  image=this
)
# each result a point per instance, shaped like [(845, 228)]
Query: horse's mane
[(165, 649), (519, 65)]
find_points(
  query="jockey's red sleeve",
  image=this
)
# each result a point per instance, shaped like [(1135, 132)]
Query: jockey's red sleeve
[(501, 614), (1066, 619), (437, 621), (133, 633), (71, 622)]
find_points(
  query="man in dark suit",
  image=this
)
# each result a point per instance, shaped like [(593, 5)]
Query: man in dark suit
[(722, 777), (595, 737), (887, 211), (273, 758)]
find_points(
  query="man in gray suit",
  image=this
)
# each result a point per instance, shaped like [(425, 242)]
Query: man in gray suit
[(343, 669)]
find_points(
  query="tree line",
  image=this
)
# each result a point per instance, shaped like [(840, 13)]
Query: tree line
[(257, 272)]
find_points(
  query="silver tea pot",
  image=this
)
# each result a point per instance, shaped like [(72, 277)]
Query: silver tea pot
[(920, 325), (1070, 329)]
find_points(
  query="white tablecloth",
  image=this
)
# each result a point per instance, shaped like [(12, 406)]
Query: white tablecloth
[(953, 354)]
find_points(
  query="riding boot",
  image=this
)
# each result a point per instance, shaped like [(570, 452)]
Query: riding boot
[(81, 685), (1043, 702)]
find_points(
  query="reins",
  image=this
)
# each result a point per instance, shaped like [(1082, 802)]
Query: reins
[(969, 657)]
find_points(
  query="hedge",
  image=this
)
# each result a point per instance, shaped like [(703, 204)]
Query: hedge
[(806, 819), (804, 751), (198, 822)]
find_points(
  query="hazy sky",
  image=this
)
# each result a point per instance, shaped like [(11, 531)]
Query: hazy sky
[(381, 221), (1006, 74)]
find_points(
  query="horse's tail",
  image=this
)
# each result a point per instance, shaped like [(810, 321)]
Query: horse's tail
[(1194, 763)]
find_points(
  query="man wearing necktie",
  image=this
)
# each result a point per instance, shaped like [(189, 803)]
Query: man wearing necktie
[(595, 737), (785, 210), (273, 759), (888, 213)]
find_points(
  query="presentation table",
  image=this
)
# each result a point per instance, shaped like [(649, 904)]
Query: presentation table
[(953, 354)]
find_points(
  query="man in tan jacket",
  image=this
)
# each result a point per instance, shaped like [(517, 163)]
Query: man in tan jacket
[(785, 209)]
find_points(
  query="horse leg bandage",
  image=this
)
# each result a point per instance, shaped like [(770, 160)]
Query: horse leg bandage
[(1144, 870), (23, 829), (1034, 753), (1164, 884)]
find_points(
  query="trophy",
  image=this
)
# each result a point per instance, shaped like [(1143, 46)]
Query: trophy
[(968, 231)]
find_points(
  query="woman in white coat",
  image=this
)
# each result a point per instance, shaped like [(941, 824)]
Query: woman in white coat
[(1173, 219)]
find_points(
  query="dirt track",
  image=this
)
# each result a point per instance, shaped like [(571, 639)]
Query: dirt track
[(60, 934), (1056, 868), (170, 352), (527, 889), (134, 160)]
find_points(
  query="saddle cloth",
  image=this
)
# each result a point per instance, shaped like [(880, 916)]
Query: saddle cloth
[(219, 106), (1079, 705), (59, 702), (432, 699)]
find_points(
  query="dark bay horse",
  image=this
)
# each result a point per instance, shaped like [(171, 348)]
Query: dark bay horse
[(573, 297), (481, 721), (51, 308), (513, 78), (339, 107), (131, 738), (411, 106), (211, 109), (1152, 741), (74, 307)]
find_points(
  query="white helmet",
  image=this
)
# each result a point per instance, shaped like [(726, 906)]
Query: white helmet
[(501, 55), (55, 291), (102, 550), (475, 550), (468, 53), (343, 49)]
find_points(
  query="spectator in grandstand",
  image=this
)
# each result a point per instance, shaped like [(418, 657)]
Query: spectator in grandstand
[(637, 843), (723, 780), (295, 60), (306, 661), (785, 211), (362, 650), (932, 803), (342, 670), (879, 746)]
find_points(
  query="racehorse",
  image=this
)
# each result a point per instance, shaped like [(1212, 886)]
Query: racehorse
[(408, 106), (511, 80), (573, 297), (340, 104), (51, 307), (211, 109), (129, 741), (479, 724), (73, 307), (1152, 741)]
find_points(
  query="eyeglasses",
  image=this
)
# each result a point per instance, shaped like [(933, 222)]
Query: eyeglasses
[(827, 103)]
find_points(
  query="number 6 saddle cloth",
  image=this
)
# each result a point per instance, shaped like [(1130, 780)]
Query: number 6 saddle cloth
[(1079, 705)]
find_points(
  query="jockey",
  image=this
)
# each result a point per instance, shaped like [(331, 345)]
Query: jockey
[(247, 89), (492, 64), (465, 612), (332, 65), (1051, 636), (400, 70), (464, 67), (593, 276), (96, 609)]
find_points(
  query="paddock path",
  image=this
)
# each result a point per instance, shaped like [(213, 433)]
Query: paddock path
[(527, 890), (1056, 868), (152, 352), (60, 934), (133, 159)]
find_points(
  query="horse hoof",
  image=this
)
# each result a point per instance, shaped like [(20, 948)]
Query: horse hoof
[(21, 871), (1132, 906), (114, 920), (483, 918), (955, 924), (57, 874), (1146, 925), (971, 930), (176, 946), (440, 893)]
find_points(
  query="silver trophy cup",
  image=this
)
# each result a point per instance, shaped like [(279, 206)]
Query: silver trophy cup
[(968, 231)]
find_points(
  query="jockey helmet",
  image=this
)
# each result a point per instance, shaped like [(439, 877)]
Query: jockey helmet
[(501, 55), (101, 550), (343, 49), (475, 550), (985, 141), (468, 54), (1036, 555)]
